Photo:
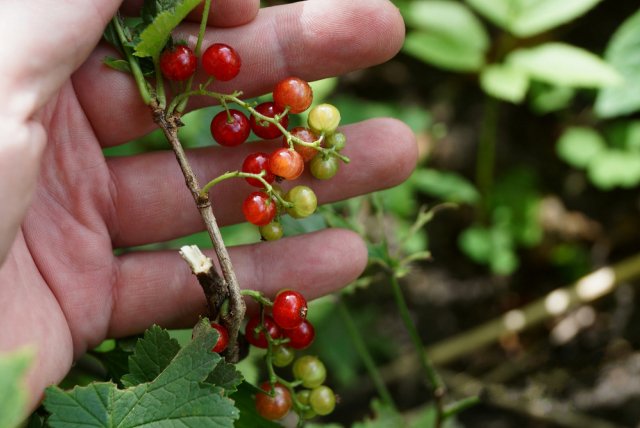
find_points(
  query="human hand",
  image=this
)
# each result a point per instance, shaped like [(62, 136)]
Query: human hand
[(65, 207)]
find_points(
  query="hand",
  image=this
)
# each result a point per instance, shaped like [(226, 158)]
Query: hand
[(65, 207)]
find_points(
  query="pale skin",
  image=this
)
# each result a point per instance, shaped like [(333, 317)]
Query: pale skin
[(64, 207)]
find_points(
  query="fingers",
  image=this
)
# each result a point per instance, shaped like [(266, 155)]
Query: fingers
[(311, 39), (159, 288), (153, 203), (43, 45)]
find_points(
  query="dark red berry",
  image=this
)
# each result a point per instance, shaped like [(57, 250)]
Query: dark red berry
[(268, 130), (178, 63), (259, 209), (221, 61), (259, 340), (301, 336), (289, 309), (223, 337), (273, 405), (294, 93), (230, 129), (256, 163), (286, 163)]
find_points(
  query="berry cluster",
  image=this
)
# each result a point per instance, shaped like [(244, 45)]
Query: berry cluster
[(318, 145), (281, 326), (282, 332)]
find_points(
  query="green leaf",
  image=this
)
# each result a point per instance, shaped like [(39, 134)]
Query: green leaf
[(562, 64), (623, 53), (13, 393), (504, 82), (447, 186), (438, 38), (579, 146), (175, 398), (152, 8), (615, 168), (527, 18), (226, 376), (545, 98), (117, 64), (155, 36), (152, 355), (116, 361), (442, 20)]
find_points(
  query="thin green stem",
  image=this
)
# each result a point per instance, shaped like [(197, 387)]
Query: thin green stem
[(141, 82), (257, 296), (181, 107), (239, 174), (223, 99), (485, 160), (364, 353), (460, 406), (160, 93)]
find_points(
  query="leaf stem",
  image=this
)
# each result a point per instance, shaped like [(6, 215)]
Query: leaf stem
[(240, 174), (141, 82)]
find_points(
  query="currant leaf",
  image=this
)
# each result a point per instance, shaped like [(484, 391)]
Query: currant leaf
[(155, 36), (152, 355), (176, 394), (226, 376)]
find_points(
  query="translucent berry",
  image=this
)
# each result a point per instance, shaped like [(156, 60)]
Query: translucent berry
[(178, 63), (289, 309), (310, 370), (268, 130), (223, 337), (301, 336), (306, 135), (255, 163), (258, 339), (272, 231), (304, 201), (323, 168), (322, 400), (273, 405), (259, 209), (230, 129), (282, 355), (294, 93), (324, 118), (337, 141), (221, 61), (286, 163)]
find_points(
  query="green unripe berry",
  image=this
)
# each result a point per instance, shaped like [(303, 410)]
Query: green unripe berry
[(336, 141), (282, 355), (322, 400), (272, 231), (323, 169), (310, 370), (324, 118), (303, 397), (304, 201)]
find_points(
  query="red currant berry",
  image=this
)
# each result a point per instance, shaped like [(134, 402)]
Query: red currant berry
[(221, 61), (273, 405), (258, 339), (286, 163), (178, 63), (268, 130), (259, 209), (289, 309), (230, 129), (223, 337), (306, 135), (255, 163), (301, 336), (294, 93)]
